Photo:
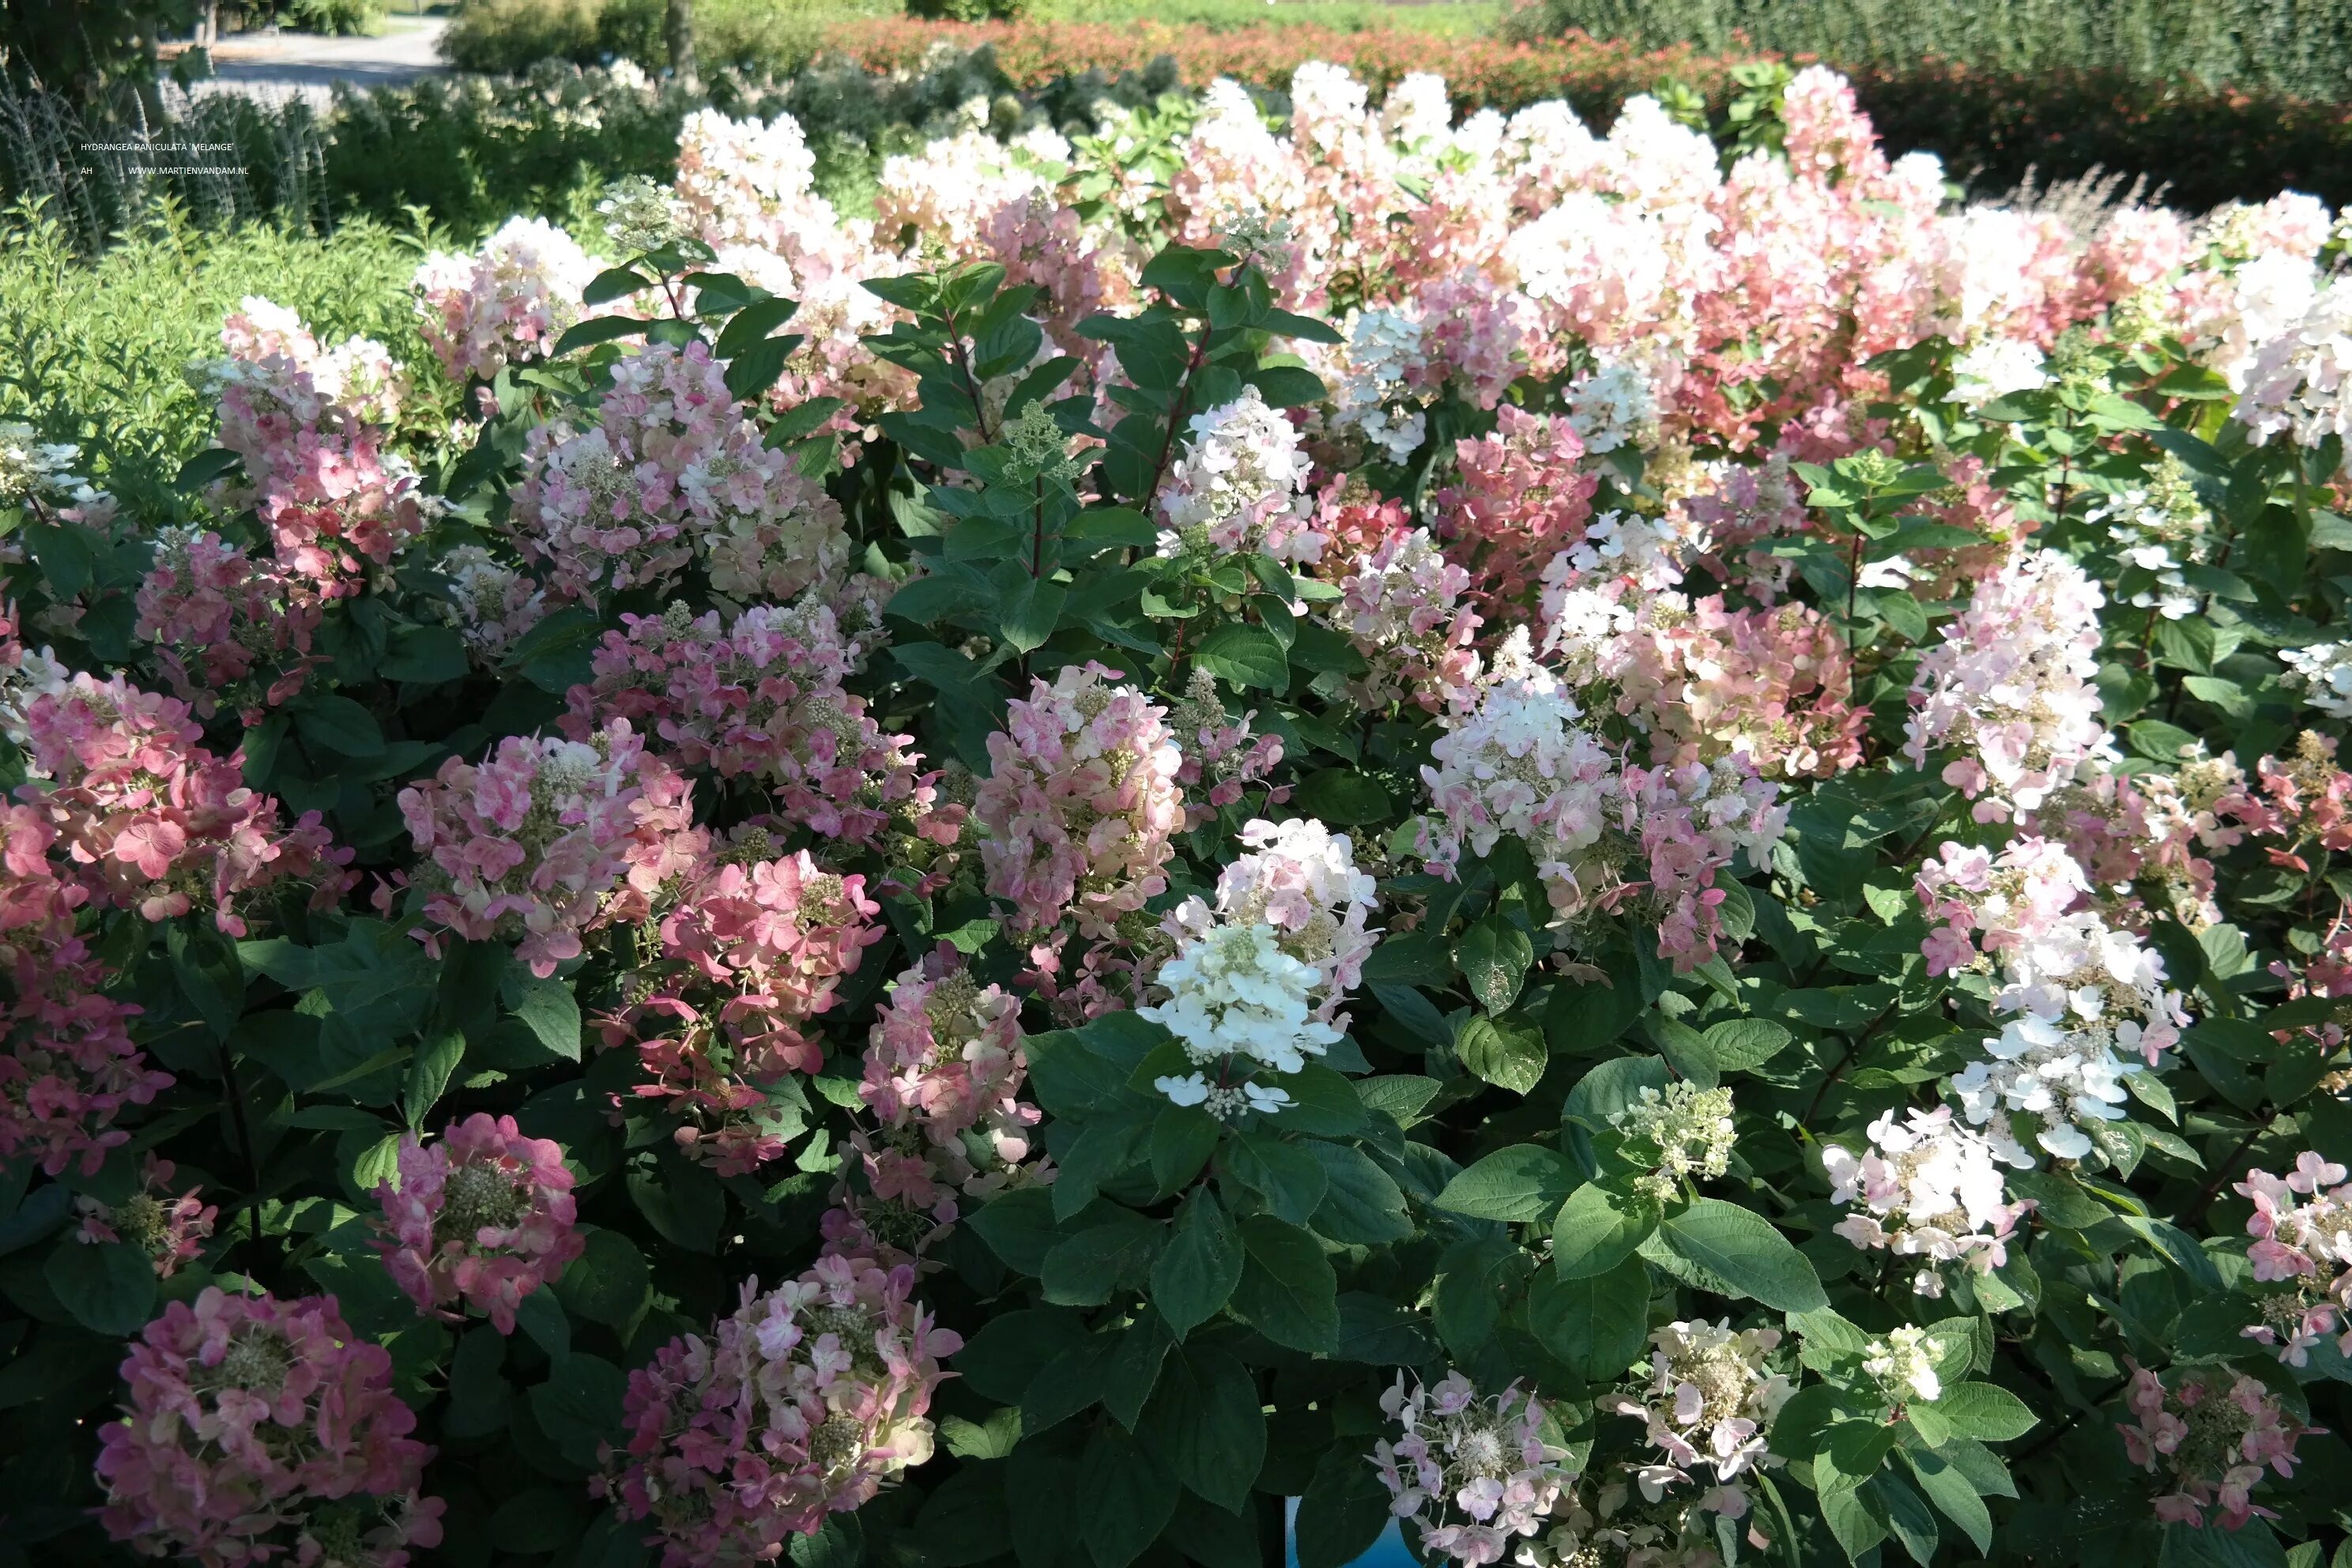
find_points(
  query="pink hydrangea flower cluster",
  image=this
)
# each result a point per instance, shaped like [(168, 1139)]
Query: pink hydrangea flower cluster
[(1521, 496), (1969, 895), (1774, 686), (227, 628), (309, 423), (1929, 1188), (1240, 485), (148, 819), (2010, 687), (2212, 1435), (2302, 1227), (1404, 608), (1221, 757), (672, 473), (1605, 836), (70, 1066), (260, 1431), (545, 840), (1709, 1405), (506, 303), (744, 949), (944, 1068), (1081, 803), (170, 1229), (802, 1404), (763, 699), (484, 1216), (1475, 1475)]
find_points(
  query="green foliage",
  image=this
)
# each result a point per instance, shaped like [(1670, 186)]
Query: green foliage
[(94, 350)]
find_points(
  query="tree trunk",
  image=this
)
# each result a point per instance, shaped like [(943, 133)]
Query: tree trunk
[(677, 32)]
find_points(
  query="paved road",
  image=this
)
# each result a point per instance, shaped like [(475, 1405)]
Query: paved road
[(287, 65)]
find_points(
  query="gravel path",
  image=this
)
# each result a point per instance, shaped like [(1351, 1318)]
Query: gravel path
[(287, 65)]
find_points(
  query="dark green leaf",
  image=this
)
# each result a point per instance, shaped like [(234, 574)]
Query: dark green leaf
[(1205, 1423), (1362, 1204), (1342, 1513), (1746, 1250), (108, 1288), (1245, 654), (1287, 1289), (1195, 1273), (1522, 1183)]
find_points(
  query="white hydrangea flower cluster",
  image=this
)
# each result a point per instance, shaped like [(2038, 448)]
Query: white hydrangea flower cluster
[(1686, 1134), (1709, 1403), (34, 470), (2087, 1008), (1475, 1475), (2323, 672), (1930, 1188), (1996, 368), (1904, 1365), (2009, 685), (1520, 763), (1240, 485), (1613, 407), (1403, 609), (2296, 384), (1642, 553), (1372, 391), (2162, 526), (1258, 980)]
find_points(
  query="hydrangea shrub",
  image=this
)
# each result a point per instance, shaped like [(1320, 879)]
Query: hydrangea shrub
[(1621, 851)]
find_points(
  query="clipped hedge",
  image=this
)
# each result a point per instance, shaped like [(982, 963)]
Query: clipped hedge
[(2302, 48), (2208, 145)]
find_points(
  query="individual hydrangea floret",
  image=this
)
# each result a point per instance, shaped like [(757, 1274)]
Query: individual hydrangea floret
[(800, 1403), (1475, 1475), (484, 1216), (1930, 1187), (260, 1431)]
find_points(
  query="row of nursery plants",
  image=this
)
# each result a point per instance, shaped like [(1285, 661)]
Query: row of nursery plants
[(1628, 860)]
